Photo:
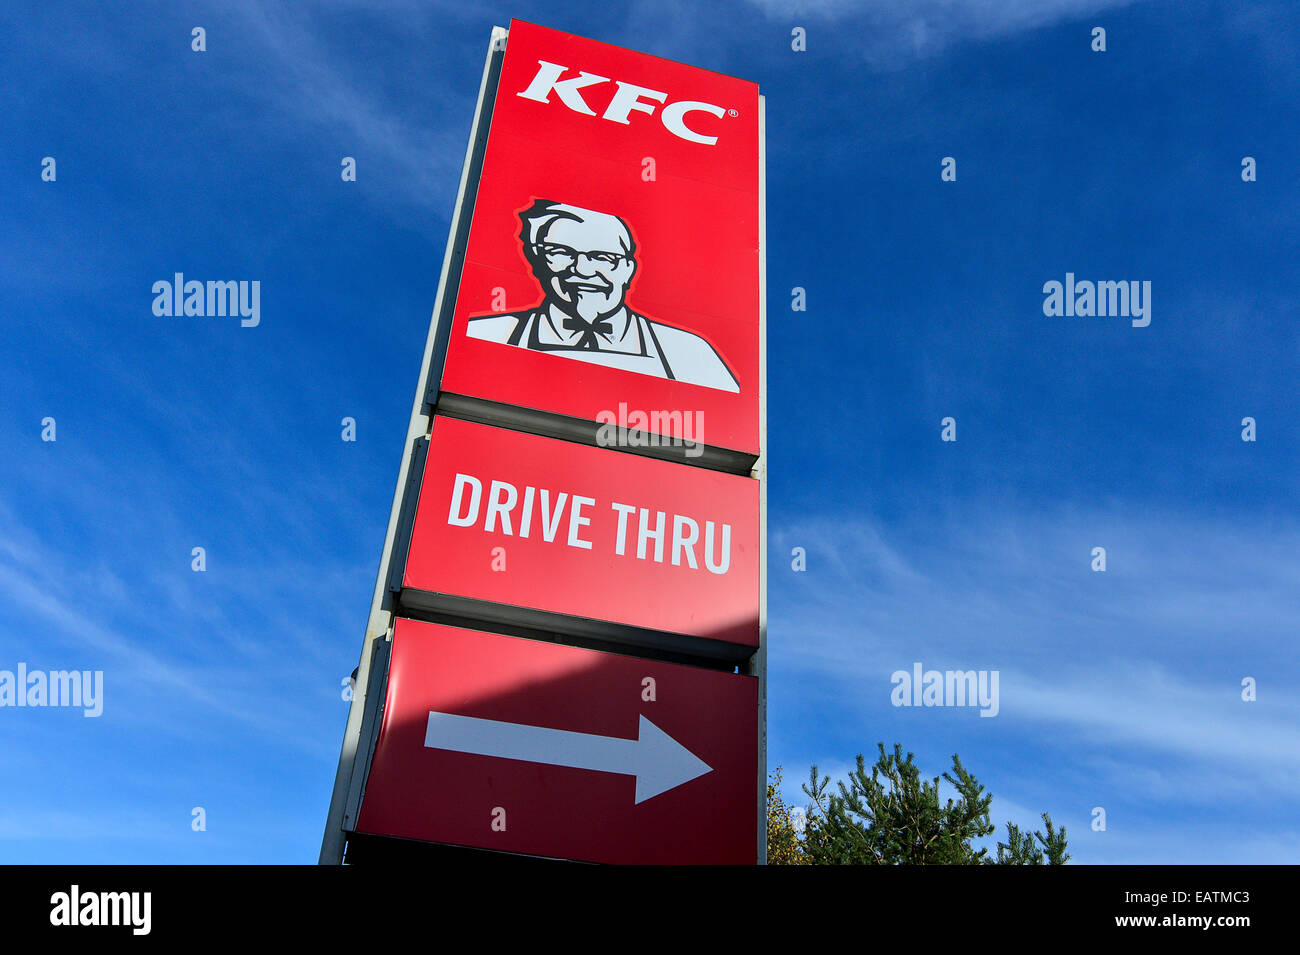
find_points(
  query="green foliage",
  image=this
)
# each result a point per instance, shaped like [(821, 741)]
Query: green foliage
[(783, 846), (891, 816), (1019, 849)]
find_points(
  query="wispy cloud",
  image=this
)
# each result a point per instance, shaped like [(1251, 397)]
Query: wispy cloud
[(80, 614), (1135, 668), (889, 34), (353, 98)]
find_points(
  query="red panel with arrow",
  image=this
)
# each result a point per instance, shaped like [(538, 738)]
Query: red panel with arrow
[(532, 747)]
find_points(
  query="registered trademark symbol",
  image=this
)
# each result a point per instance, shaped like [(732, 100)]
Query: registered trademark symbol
[(733, 112)]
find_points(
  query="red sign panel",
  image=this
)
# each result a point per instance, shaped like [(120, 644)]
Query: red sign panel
[(550, 525), (531, 747), (613, 253)]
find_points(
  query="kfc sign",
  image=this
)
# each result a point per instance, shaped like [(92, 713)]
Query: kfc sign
[(564, 655), (627, 98), (608, 263)]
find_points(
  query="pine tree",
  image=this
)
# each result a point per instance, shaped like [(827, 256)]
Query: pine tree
[(891, 816), (1019, 849)]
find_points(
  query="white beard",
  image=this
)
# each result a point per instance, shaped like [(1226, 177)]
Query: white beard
[(590, 307)]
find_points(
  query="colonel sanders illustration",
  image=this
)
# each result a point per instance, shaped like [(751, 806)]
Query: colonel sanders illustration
[(585, 261)]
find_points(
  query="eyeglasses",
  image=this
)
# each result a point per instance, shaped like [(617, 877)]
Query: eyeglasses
[(560, 258)]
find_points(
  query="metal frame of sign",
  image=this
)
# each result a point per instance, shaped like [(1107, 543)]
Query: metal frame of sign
[(370, 681)]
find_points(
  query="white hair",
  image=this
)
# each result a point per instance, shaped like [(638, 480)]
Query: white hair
[(538, 217)]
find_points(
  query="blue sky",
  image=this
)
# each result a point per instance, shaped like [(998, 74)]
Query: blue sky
[(1118, 689)]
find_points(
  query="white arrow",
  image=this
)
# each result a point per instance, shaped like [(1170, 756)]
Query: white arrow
[(658, 761)]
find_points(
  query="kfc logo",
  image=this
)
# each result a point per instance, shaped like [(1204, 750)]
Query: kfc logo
[(584, 261), (627, 97)]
